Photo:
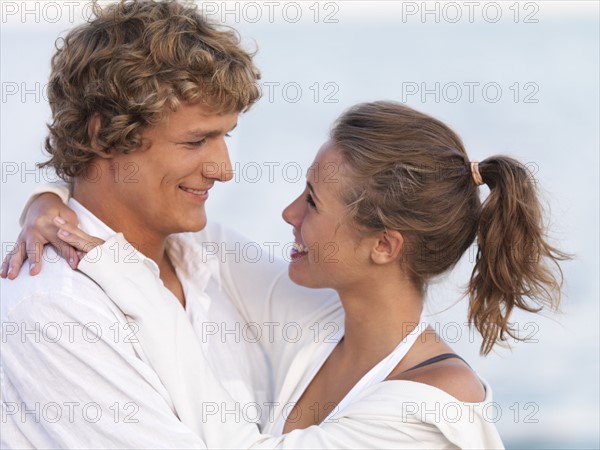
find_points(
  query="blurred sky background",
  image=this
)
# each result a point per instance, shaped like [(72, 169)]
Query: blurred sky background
[(519, 78)]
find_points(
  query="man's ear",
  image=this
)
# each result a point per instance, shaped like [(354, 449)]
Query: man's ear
[(388, 247), (93, 129)]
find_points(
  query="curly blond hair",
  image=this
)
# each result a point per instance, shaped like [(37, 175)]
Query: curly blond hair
[(131, 65)]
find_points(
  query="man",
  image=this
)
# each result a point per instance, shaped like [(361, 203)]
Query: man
[(142, 99)]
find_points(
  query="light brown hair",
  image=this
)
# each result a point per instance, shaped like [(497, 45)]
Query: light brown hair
[(132, 64), (410, 172)]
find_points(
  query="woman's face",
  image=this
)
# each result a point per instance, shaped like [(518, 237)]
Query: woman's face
[(328, 252)]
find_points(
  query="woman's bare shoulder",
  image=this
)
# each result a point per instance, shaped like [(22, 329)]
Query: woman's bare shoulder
[(452, 376)]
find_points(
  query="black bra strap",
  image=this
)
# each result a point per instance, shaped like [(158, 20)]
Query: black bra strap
[(435, 359)]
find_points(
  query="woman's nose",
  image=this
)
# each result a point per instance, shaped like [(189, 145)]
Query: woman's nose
[(294, 212)]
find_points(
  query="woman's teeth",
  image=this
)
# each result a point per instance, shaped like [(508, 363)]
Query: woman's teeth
[(300, 248)]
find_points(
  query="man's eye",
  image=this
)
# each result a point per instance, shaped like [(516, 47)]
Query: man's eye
[(196, 143), (310, 201)]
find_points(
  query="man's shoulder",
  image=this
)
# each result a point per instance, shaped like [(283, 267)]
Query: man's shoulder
[(56, 286)]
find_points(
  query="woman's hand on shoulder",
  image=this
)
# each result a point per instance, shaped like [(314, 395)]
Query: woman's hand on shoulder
[(40, 229), (75, 237)]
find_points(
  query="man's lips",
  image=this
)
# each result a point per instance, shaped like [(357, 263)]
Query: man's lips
[(194, 191), (195, 194)]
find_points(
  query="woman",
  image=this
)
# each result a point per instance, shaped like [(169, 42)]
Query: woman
[(402, 208)]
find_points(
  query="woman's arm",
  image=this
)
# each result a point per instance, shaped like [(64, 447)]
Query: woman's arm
[(43, 205)]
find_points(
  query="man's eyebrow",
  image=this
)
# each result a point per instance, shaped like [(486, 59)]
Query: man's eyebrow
[(312, 190), (205, 133)]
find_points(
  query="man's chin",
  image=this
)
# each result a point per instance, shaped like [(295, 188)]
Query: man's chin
[(198, 228), (193, 226), (185, 224)]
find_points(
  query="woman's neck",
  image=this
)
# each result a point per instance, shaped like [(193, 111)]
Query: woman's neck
[(377, 319)]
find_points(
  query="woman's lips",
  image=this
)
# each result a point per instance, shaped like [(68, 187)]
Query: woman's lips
[(298, 251)]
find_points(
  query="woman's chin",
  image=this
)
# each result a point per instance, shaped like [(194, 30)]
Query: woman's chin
[(301, 278)]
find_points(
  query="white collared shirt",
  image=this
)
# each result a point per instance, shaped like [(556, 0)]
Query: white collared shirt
[(73, 374)]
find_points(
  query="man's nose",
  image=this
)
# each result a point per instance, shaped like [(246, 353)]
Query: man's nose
[(219, 168)]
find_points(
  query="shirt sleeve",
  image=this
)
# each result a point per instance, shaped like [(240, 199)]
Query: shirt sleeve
[(72, 379), (206, 407), (60, 188)]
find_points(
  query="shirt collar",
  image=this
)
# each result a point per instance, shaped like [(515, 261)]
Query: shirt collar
[(192, 259), (187, 253), (89, 223)]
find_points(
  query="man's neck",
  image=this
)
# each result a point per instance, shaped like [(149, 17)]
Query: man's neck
[(141, 237), (137, 233)]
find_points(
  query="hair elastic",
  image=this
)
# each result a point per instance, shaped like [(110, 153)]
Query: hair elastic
[(475, 173)]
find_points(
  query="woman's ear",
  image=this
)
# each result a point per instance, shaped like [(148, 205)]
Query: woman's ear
[(93, 129), (388, 247)]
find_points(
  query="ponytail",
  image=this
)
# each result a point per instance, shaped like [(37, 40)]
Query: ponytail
[(409, 172), (514, 266)]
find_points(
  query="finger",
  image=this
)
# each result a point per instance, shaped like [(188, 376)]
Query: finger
[(68, 252), (34, 267), (69, 215), (75, 241), (72, 257), (76, 237), (4, 269), (15, 260), (34, 249)]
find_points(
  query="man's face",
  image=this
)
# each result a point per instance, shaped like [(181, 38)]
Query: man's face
[(161, 187)]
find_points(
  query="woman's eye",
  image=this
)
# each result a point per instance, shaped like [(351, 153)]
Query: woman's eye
[(310, 201)]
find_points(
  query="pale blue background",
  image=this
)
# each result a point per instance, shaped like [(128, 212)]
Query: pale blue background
[(547, 391)]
